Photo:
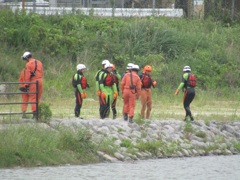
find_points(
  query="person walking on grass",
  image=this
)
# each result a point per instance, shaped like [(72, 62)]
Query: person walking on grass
[(34, 73), (108, 91), (146, 93), (80, 84), (188, 85), (117, 80), (25, 95), (131, 90), (97, 78)]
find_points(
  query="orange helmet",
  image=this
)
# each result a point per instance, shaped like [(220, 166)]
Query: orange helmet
[(147, 68)]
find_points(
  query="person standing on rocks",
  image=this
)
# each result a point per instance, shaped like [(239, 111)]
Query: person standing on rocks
[(146, 93), (188, 85), (97, 78), (131, 90), (80, 84), (25, 95), (108, 90), (34, 73), (117, 80)]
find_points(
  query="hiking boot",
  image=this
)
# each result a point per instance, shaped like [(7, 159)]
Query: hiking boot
[(130, 119), (125, 117), (192, 119)]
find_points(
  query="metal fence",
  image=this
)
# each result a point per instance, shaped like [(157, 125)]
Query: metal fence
[(5, 93)]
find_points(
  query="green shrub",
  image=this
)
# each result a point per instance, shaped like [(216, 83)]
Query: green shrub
[(44, 113)]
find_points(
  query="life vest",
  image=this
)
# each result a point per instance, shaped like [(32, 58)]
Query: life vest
[(115, 79), (84, 82), (109, 80), (192, 80), (146, 80)]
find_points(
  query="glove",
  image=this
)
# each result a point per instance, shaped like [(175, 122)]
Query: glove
[(98, 92), (154, 83), (103, 95), (115, 95), (23, 89), (176, 92), (83, 95)]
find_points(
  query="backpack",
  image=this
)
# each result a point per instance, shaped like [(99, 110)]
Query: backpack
[(75, 82), (192, 80), (146, 81)]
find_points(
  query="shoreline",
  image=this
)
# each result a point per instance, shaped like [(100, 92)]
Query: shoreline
[(160, 138), (117, 140)]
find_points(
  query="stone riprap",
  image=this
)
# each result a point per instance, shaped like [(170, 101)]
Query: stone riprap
[(159, 138)]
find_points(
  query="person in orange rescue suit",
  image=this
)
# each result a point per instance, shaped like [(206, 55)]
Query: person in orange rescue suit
[(98, 91), (117, 80), (128, 70), (34, 73), (146, 93), (80, 90), (25, 95), (108, 90), (189, 92), (131, 90)]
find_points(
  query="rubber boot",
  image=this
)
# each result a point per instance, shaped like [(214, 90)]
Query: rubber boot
[(24, 115), (130, 119), (125, 116)]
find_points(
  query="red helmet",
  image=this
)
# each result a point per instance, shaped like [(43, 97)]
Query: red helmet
[(147, 68)]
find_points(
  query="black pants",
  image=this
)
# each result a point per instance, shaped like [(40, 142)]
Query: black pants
[(188, 98), (104, 107), (78, 106), (114, 111)]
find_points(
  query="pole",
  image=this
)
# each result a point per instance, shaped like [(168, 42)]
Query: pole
[(232, 9), (23, 4)]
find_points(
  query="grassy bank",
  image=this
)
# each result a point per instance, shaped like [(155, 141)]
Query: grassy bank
[(30, 145)]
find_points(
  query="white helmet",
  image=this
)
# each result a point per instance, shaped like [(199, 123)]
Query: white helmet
[(130, 65), (105, 62), (186, 68), (26, 55), (81, 66), (108, 65), (135, 67)]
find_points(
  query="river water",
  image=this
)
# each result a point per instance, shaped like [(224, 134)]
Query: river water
[(192, 168)]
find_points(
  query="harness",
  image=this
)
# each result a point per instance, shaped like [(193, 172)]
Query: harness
[(34, 72), (133, 87)]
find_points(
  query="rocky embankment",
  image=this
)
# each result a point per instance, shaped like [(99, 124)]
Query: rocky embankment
[(160, 138)]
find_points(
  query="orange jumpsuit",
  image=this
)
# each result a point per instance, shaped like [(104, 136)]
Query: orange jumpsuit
[(146, 94), (30, 68), (25, 97), (130, 95)]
